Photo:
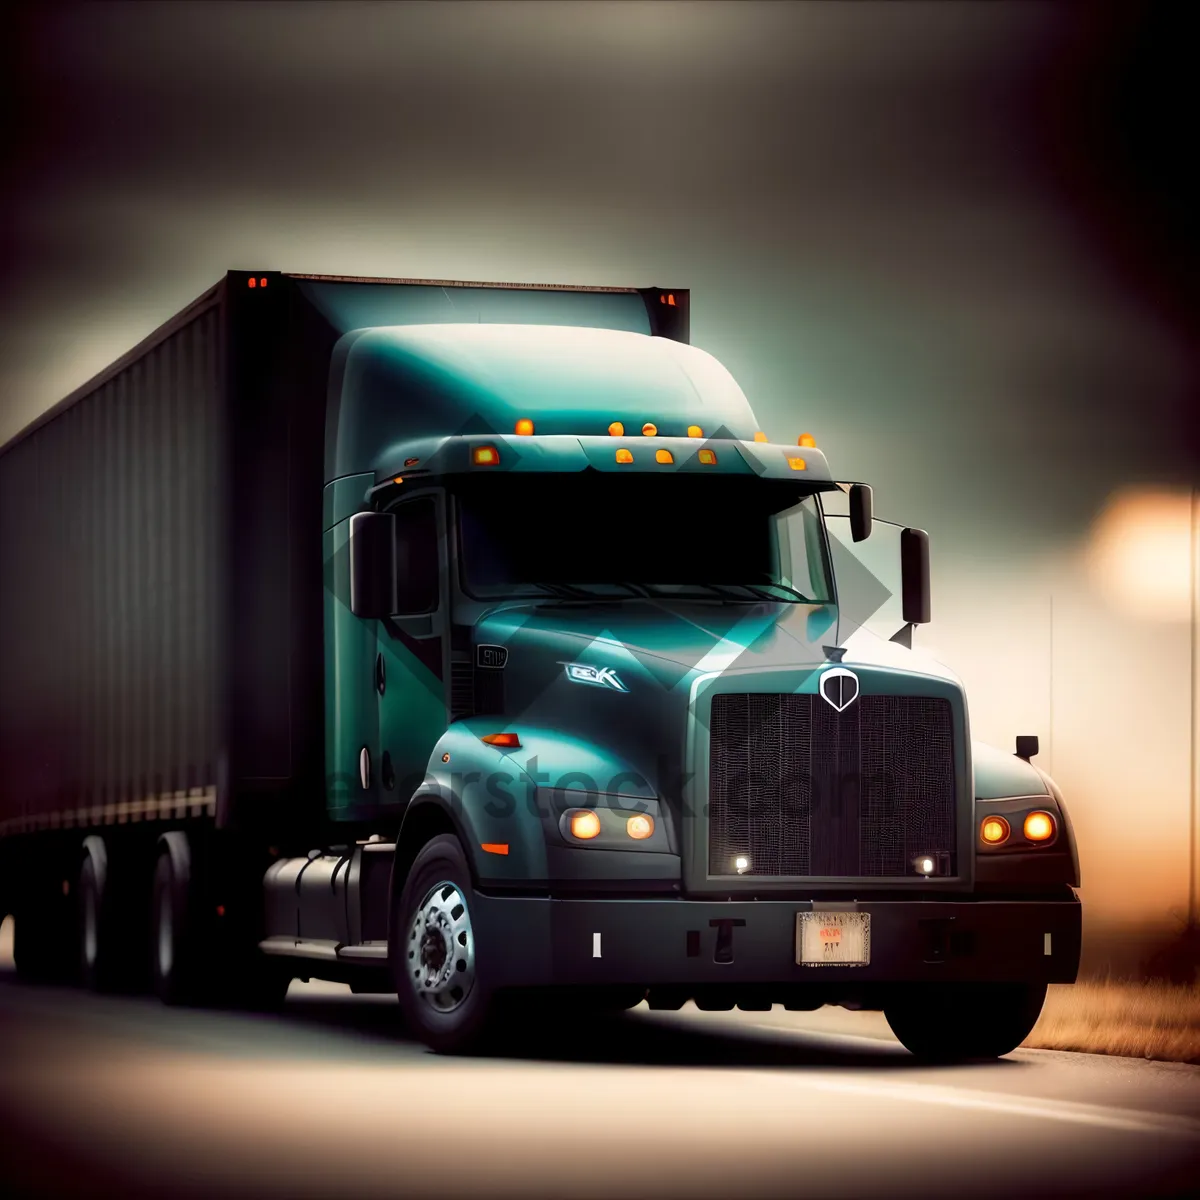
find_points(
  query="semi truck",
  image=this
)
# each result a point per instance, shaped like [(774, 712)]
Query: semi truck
[(473, 642)]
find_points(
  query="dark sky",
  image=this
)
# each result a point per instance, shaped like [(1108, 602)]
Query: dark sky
[(956, 241)]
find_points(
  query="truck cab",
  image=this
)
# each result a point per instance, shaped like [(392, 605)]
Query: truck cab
[(591, 656)]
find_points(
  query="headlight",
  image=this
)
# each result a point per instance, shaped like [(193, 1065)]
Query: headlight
[(1039, 826)]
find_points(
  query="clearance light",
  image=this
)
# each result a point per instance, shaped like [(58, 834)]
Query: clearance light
[(624, 456), (649, 429), (397, 478), (760, 436), (252, 283), (485, 456), (663, 456), (411, 462), (797, 464), (695, 431), (807, 441), (508, 741), (994, 831), (708, 457), (262, 283), (494, 847), (616, 429), (640, 827), (585, 825), (1039, 827), (741, 865), (524, 427)]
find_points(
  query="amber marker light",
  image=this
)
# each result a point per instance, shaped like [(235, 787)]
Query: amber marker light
[(616, 429), (695, 431), (649, 429), (485, 456), (494, 847), (397, 478), (640, 827), (624, 456), (663, 456), (807, 441), (507, 741), (797, 464), (1039, 827), (760, 436), (994, 831), (524, 427), (585, 825), (708, 457)]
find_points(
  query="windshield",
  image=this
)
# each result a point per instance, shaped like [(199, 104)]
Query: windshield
[(600, 534)]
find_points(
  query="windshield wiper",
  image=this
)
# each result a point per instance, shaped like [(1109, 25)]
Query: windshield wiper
[(565, 591), (787, 587)]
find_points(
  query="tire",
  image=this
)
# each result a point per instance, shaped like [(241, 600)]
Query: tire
[(960, 1022), (445, 999), (173, 950), (95, 932)]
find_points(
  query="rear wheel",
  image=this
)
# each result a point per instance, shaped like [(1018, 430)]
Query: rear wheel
[(173, 943), (445, 1000), (958, 1022)]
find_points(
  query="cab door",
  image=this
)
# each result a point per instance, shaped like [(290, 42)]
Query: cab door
[(410, 659)]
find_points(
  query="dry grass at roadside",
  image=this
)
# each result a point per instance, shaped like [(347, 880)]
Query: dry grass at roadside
[(1138, 1020)]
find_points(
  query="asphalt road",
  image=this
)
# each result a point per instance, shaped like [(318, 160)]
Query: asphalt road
[(119, 1096)]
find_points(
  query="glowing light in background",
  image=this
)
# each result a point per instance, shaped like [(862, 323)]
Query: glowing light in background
[(1140, 553)]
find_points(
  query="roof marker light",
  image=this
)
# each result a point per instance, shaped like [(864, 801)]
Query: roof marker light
[(807, 441), (262, 283), (252, 283), (695, 431), (616, 429), (663, 456), (649, 429), (708, 457), (624, 456), (524, 427), (411, 462), (485, 456), (670, 299), (797, 464), (507, 741), (760, 436)]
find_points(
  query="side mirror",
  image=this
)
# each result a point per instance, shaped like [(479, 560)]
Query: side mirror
[(1027, 745), (861, 512), (372, 565), (914, 575)]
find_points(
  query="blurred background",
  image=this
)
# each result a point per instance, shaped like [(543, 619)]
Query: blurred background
[(957, 243)]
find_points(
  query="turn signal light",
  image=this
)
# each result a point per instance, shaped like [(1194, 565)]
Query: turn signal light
[(1039, 827), (663, 456), (708, 457), (994, 831), (524, 427), (649, 429), (585, 825), (485, 456), (807, 441), (508, 741), (797, 464), (624, 456), (640, 827)]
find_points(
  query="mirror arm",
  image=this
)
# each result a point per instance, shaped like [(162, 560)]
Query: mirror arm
[(904, 635)]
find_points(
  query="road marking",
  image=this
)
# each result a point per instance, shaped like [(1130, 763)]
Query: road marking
[(1124, 1120)]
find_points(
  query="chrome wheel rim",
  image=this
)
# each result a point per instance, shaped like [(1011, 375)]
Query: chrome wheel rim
[(441, 949)]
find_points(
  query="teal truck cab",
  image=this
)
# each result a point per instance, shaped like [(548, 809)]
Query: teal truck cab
[(603, 706)]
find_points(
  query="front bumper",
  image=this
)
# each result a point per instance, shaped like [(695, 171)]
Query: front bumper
[(534, 942)]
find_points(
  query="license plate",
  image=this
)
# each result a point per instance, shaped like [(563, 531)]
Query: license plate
[(833, 939)]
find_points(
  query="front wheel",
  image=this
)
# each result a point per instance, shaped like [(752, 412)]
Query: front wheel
[(445, 1001), (958, 1022)]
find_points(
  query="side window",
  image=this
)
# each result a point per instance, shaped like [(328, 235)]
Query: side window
[(416, 557)]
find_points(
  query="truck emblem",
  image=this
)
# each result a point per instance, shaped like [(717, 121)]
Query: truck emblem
[(839, 687), (600, 676), (494, 657)]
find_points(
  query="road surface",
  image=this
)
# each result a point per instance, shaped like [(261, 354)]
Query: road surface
[(120, 1096)]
